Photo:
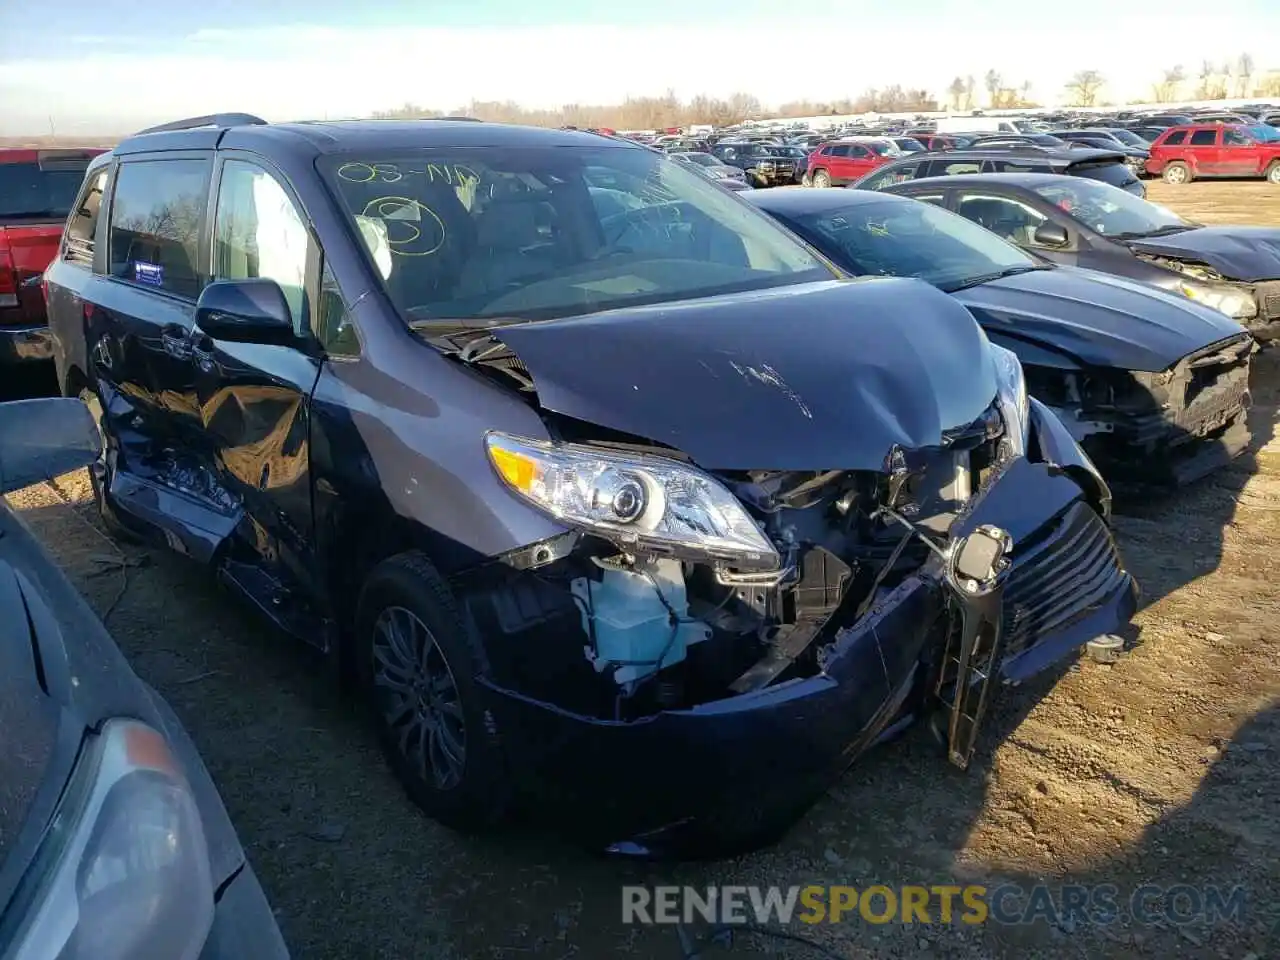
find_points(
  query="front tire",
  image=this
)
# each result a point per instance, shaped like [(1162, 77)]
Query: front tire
[(419, 662), (821, 178), (1273, 173), (1176, 173)]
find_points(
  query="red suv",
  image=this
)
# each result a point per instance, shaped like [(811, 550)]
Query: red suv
[(843, 161), (1181, 154), (37, 189)]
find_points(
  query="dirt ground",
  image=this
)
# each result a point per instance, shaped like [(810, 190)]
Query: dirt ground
[(1161, 769)]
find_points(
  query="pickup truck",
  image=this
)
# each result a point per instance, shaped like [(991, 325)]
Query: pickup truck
[(762, 164), (37, 191)]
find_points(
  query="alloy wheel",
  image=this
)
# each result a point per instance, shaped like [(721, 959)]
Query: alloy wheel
[(418, 698)]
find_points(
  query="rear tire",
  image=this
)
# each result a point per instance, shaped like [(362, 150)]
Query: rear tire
[(1273, 173), (1177, 173), (821, 178), (419, 662)]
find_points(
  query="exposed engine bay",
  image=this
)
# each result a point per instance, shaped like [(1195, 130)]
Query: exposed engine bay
[(620, 634), (1150, 426)]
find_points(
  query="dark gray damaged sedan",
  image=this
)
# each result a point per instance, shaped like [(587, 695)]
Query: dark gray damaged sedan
[(613, 498)]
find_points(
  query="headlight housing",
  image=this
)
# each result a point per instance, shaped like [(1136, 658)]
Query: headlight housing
[(1237, 304), (124, 869), (1015, 406), (641, 503)]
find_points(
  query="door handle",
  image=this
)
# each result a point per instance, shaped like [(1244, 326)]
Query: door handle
[(203, 358), (176, 345)]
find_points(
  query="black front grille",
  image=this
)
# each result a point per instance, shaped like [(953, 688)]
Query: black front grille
[(1059, 578)]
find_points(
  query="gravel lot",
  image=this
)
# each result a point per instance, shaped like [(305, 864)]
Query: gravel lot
[(1159, 769)]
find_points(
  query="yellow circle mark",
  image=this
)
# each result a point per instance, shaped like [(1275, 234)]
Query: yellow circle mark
[(384, 209)]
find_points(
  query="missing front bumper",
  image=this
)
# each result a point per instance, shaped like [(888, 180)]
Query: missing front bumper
[(734, 773)]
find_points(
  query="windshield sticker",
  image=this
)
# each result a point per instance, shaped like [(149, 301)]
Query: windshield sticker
[(618, 286), (374, 233), (151, 274)]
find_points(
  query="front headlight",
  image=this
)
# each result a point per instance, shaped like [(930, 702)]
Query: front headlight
[(124, 869), (1015, 406), (641, 503), (1237, 304)]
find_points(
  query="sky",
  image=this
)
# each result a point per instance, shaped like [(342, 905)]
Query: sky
[(110, 66)]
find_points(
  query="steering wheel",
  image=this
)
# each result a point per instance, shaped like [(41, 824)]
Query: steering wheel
[(655, 220)]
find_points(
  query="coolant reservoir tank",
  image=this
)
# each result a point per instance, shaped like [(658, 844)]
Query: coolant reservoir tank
[(632, 626)]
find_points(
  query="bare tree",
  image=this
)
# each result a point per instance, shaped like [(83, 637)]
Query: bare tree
[(969, 86), (1244, 75), (995, 84), (956, 93), (1166, 91), (1085, 87), (1025, 96)]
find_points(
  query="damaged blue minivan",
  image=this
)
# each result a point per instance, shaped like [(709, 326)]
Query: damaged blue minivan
[(617, 503)]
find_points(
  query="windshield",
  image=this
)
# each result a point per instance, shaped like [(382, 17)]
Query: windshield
[(910, 238), (1109, 210), (1129, 137), (26, 190), (555, 231), (1264, 133), (881, 148)]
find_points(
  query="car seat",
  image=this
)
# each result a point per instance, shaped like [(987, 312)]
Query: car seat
[(511, 244)]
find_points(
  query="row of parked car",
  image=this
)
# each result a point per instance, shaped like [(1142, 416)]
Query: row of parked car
[(616, 497)]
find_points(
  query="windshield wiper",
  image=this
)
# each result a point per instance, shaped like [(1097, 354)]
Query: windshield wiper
[(1164, 231), (997, 275), (470, 339)]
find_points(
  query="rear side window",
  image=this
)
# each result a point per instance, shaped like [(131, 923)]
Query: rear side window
[(156, 216), (958, 168), (82, 227), (1204, 138), (1175, 138), (1018, 166), (1116, 174), (44, 190)]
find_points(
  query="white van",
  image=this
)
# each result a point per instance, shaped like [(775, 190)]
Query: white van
[(989, 125)]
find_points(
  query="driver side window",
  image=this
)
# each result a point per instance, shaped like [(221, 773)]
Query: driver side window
[(260, 233), (1005, 217), (1234, 138)]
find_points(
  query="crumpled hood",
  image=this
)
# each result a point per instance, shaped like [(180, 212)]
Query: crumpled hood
[(1249, 254), (829, 375), (1101, 320)]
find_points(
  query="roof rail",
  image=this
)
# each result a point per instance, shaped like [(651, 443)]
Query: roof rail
[(467, 119), (212, 120)]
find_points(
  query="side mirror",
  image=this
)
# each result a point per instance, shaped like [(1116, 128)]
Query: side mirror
[(245, 311), (1051, 235), (45, 438)]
